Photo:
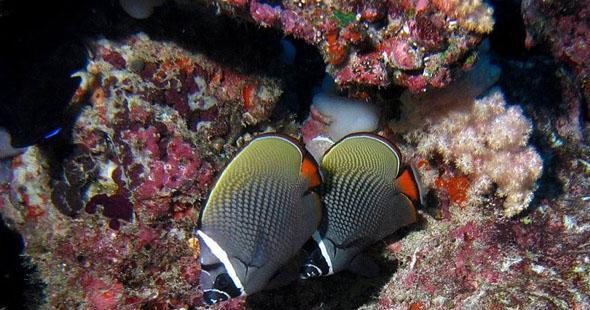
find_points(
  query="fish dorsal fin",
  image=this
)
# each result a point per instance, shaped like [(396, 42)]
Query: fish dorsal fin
[(310, 171), (409, 184)]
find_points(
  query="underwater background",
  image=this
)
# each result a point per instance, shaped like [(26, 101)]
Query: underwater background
[(117, 117)]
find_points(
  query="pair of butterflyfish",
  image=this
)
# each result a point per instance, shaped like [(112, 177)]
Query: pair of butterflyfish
[(272, 207)]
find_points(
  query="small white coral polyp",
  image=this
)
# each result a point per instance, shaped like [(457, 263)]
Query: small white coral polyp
[(487, 141)]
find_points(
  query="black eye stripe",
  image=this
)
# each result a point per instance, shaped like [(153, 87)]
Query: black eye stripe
[(316, 264), (210, 267), (222, 281)]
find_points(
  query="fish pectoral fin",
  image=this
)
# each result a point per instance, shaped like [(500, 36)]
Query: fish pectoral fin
[(310, 171), (359, 242), (312, 205), (364, 265), (240, 267), (285, 275)]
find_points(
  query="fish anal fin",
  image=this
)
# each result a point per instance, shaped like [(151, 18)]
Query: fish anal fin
[(285, 275), (409, 185), (364, 265), (407, 214), (360, 243)]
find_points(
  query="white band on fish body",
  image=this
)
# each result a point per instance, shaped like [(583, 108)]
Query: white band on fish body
[(324, 251), (222, 256)]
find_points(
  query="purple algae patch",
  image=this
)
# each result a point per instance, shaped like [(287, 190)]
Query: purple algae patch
[(116, 206)]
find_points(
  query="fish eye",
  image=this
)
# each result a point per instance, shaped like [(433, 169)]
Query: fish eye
[(222, 281)]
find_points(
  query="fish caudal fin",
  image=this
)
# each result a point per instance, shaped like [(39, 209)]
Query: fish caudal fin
[(409, 184), (310, 171)]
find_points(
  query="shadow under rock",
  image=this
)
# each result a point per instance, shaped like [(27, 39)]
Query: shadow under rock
[(535, 84), (341, 291), (21, 286)]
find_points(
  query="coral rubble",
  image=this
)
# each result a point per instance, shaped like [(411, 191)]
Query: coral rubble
[(108, 218), (416, 44)]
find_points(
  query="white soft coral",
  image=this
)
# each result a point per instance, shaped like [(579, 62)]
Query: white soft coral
[(484, 139), (488, 142)]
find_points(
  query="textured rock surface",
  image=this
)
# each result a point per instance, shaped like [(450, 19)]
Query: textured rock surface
[(416, 44)]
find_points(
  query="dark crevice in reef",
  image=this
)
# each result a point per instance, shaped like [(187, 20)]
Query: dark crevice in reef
[(301, 78), (534, 84), (240, 45), (21, 285), (508, 37), (530, 78), (341, 291), (48, 41)]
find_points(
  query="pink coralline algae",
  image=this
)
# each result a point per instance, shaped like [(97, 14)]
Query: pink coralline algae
[(109, 222), (475, 261), (470, 258), (416, 44)]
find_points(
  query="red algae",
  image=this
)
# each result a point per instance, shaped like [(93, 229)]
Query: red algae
[(455, 186), (418, 305), (351, 33), (248, 96)]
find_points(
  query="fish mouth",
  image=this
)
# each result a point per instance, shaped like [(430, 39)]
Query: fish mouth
[(214, 296)]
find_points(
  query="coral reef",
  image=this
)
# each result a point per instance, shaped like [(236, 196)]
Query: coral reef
[(107, 208), (472, 260), (115, 206), (416, 44)]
